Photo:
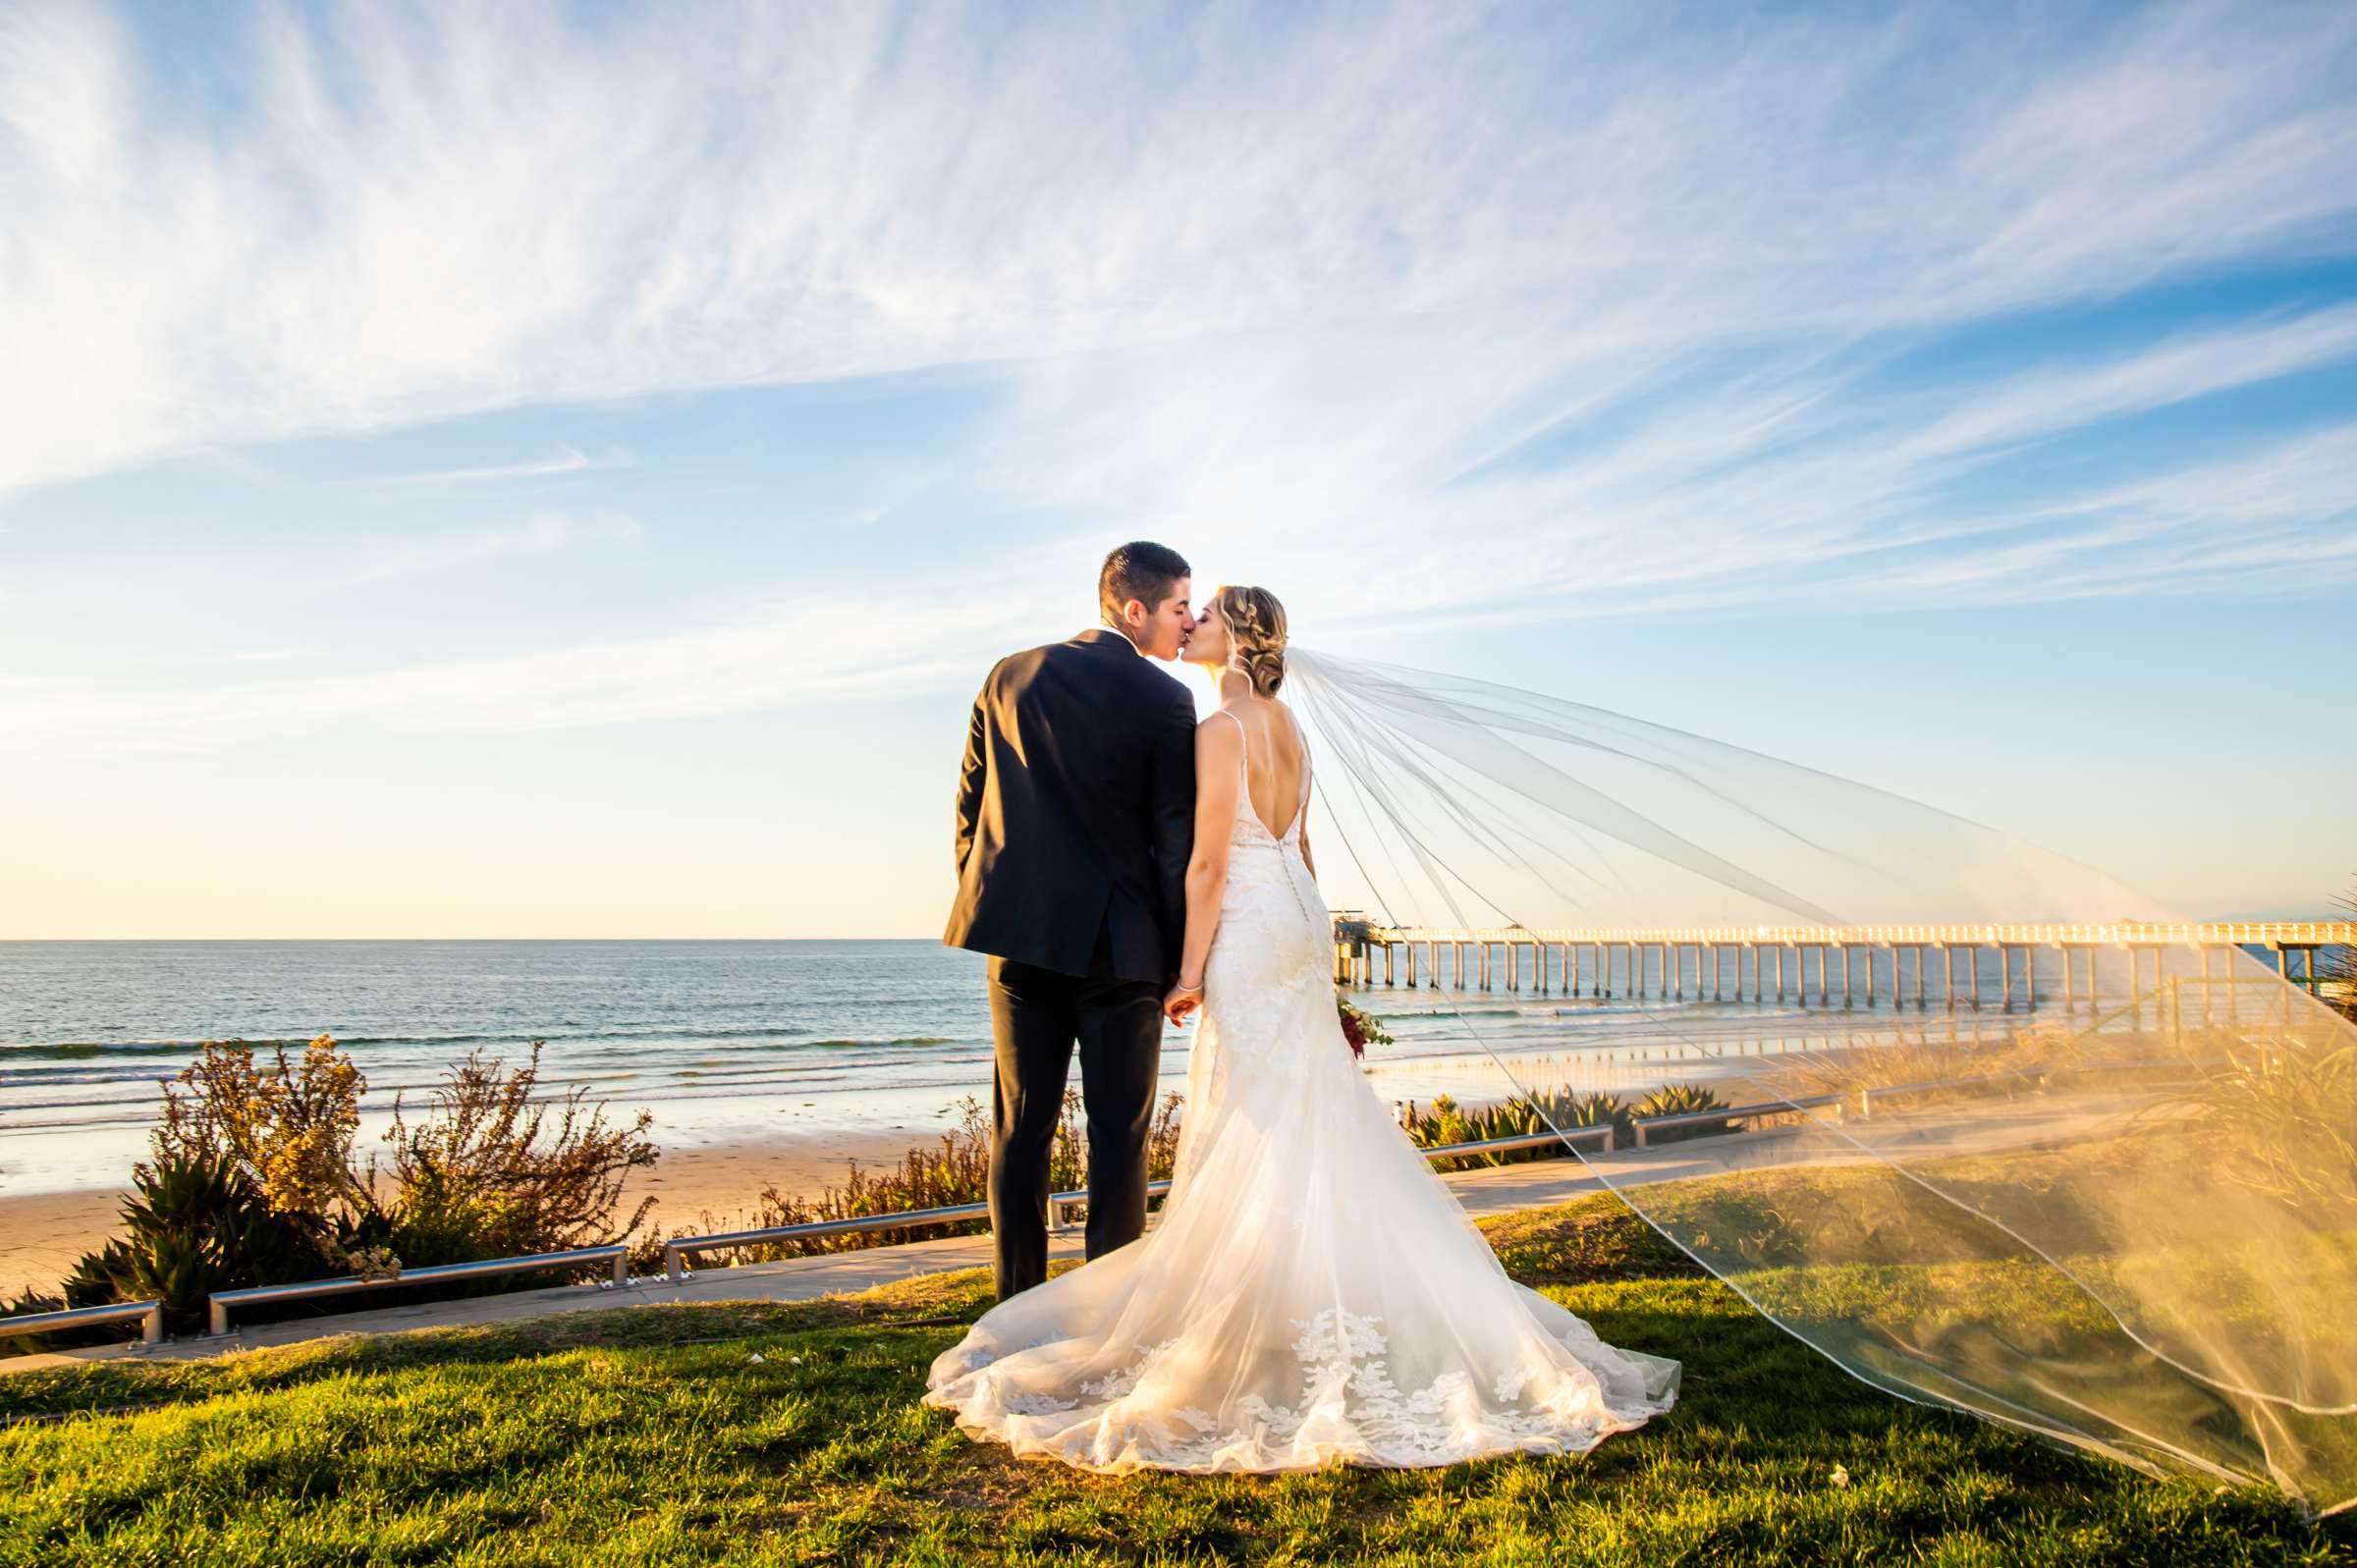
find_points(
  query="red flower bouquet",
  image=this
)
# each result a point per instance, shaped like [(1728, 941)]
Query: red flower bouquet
[(1359, 1030)]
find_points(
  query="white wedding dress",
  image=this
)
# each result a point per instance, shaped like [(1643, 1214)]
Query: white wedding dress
[(1312, 1293)]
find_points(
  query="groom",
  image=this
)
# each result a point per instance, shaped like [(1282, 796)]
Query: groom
[(1076, 817)]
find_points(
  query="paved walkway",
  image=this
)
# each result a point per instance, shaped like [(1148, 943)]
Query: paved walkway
[(1495, 1190)]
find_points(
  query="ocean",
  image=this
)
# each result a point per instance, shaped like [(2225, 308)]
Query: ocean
[(722, 1040)]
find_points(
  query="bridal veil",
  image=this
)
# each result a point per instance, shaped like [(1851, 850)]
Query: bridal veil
[(2022, 1141)]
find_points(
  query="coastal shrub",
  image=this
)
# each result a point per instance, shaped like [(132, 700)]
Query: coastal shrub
[(954, 1169), (288, 1124), (1448, 1122), (1562, 1109), (495, 1169), (254, 1178), (1939, 1068), (1681, 1100), (2279, 1110)]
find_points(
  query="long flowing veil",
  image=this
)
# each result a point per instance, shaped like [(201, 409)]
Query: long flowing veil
[(1978, 1122)]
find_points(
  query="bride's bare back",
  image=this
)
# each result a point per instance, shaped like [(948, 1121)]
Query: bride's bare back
[(1274, 760)]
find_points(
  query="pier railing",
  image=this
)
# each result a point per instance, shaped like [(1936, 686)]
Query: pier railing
[(1652, 961)]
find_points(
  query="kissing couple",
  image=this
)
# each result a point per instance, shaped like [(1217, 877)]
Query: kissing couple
[(1312, 1294)]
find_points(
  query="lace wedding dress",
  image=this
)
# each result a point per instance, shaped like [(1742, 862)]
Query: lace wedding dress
[(1313, 1292)]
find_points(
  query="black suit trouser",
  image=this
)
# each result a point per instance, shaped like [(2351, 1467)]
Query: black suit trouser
[(1037, 1016)]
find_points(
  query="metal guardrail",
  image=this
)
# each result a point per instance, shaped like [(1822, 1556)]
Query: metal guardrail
[(1527, 1140), (1058, 1224), (1697, 1119), (675, 1250), (150, 1315), (344, 1284), (1865, 1094)]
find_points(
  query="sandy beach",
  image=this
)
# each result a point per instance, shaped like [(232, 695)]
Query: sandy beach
[(42, 1233)]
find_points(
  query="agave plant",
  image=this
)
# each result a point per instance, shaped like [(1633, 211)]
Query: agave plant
[(194, 1225), (1447, 1122), (1520, 1116), (1681, 1100), (1562, 1109)]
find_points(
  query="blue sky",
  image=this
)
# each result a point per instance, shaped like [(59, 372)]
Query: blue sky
[(554, 471)]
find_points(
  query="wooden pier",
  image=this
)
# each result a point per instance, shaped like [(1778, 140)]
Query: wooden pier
[(1729, 960)]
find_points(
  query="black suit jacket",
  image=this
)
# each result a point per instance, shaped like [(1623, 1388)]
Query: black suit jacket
[(1076, 812)]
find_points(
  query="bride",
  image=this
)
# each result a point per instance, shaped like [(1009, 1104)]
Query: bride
[(1312, 1293)]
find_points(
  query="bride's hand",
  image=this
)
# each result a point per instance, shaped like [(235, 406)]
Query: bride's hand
[(1183, 1001)]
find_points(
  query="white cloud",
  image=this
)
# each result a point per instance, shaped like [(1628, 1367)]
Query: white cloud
[(828, 642), (563, 461), (239, 655), (540, 534)]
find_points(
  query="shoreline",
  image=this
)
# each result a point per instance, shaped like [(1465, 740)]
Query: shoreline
[(42, 1233)]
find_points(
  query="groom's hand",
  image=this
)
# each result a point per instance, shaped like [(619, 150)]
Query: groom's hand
[(1180, 1002)]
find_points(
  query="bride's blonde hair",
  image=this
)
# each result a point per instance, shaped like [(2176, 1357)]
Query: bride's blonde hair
[(1256, 623)]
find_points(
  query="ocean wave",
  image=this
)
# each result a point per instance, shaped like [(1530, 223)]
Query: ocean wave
[(904, 1040), (85, 1050), (29, 1051), (1445, 1012), (681, 1032)]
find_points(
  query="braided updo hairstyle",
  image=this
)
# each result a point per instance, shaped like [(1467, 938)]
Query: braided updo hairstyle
[(1256, 623)]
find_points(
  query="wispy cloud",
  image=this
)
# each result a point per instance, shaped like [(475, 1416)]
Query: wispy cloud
[(540, 534), (239, 655), (830, 641), (564, 460)]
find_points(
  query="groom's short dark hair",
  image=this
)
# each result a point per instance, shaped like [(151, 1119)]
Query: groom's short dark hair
[(1142, 570)]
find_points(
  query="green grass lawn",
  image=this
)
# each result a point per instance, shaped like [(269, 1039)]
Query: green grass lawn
[(653, 1436)]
